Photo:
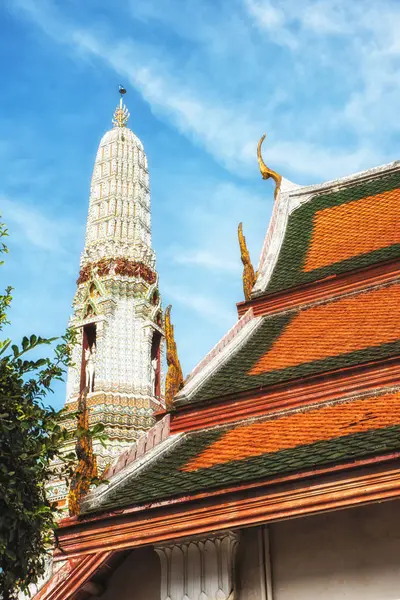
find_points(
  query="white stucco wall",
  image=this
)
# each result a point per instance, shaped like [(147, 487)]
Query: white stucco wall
[(137, 578), (352, 554), (249, 568)]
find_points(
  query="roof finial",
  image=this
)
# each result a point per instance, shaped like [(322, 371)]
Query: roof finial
[(249, 276), (266, 172), (121, 114), (174, 379)]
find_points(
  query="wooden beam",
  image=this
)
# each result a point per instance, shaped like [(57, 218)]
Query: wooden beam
[(241, 509), (361, 379), (330, 287), (72, 576)]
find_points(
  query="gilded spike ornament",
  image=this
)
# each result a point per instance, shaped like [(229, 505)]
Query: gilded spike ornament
[(266, 172), (174, 379), (121, 115), (249, 276), (86, 469)]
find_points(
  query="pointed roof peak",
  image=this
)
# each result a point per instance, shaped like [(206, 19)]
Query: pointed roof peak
[(121, 113)]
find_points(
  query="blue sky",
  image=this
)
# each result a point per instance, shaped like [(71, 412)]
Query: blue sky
[(205, 79)]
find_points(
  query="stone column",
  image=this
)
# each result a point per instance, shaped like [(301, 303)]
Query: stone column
[(199, 569)]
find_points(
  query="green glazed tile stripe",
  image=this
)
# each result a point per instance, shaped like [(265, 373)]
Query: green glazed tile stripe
[(288, 271), (165, 479), (160, 478), (233, 376)]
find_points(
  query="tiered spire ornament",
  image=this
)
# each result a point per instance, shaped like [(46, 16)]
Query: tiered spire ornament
[(266, 172), (174, 379), (121, 114), (86, 469), (249, 276), (117, 292)]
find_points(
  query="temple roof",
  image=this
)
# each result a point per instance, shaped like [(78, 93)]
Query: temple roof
[(323, 230), (326, 233), (293, 441), (315, 234), (349, 330)]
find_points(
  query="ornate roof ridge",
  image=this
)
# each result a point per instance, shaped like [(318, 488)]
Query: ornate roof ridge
[(228, 345), (221, 344), (131, 463), (290, 199), (154, 436), (365, 174)]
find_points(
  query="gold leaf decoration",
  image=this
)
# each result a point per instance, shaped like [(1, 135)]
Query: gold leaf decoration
[(249, 276), (266, 172), (174, 379)]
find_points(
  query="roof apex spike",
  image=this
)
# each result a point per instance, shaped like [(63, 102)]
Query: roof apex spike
[(121, 113)]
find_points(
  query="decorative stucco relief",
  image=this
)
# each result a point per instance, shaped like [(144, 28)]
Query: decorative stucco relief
[(199, 569)]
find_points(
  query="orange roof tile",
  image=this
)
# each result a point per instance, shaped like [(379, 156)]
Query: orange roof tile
[(299, 429), (338, 327), (344, 231)]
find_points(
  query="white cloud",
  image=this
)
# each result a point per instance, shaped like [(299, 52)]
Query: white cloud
[(204, 305), (41, 267), (314, 160), (320, 76), (30, 226), (273, 20), (321, 140), (358, 42), (211, 245), (205, 259), (228, 134)]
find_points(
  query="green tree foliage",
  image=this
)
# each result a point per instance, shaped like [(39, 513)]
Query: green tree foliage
[(31, 437)]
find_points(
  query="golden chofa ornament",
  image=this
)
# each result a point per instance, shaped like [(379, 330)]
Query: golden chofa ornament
[(266, 172), (249, 276), (174, 379)]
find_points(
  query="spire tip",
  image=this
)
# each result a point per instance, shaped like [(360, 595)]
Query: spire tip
[(121, 113)]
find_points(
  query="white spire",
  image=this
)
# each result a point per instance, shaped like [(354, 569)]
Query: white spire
[(117, 306), (119, 223)]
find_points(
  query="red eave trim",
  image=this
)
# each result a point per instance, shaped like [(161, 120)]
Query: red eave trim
[(78, 522), (306, 391), (67, 581), (321, 290), (262, 505)]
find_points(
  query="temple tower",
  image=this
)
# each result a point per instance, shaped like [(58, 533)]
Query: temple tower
[(117, 307)]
